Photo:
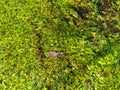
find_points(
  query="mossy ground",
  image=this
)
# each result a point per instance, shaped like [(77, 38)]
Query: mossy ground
[(87, 31)]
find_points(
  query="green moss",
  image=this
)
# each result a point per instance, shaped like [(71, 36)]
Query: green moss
[(87, 34)]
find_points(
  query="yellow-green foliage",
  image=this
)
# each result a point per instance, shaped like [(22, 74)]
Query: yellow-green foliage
[(84, 33)]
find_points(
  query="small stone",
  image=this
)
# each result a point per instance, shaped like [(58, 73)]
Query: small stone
[(53, 54)]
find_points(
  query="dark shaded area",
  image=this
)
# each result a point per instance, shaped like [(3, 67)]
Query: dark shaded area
[(81, 10)]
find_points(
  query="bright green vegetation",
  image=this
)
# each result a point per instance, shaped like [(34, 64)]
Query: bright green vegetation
[(88, 31)]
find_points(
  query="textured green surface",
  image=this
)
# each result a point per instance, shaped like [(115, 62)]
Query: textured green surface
[(88, 32)]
